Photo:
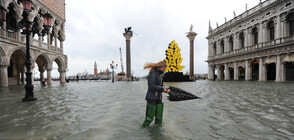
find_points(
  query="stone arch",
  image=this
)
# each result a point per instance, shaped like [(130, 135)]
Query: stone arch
[(290, 23), (231, 73), (231, 43), (44, 57), (288, 66), (60, 63), (222, 46), (254, 34), (241, 74), (254, 69), (3, 60), (271, 30), (16, 67), (21, 49), (242, 39), (214, 49)]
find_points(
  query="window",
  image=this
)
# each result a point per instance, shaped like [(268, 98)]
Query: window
[(242, 40), (222, 46), (255, 36), (231, 42), (214, 49), (290, 19), (271, 30)]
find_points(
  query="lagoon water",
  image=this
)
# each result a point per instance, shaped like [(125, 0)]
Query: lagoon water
[(104, 110)]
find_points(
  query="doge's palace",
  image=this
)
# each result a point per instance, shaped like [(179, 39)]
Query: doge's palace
[(255, 45), (45, 49)]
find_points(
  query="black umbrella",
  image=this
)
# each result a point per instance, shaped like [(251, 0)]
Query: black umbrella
[(177, 94)]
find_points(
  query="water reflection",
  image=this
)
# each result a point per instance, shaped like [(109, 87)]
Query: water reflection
[(105, 110)]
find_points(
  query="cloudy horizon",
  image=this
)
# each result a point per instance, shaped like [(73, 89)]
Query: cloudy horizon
[(94, 31)]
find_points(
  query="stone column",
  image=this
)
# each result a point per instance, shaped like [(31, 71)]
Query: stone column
[(235, 71), (236, 41), (49, 78), (3, 32), (33, 74), (246, 38), (283, 72), (48, 41), (261, 71), (278, 69), (247, 70), (227, 75), (128, 36), (191, 36), (3, 76), (210, 72), (55, 43), (41, 70), (61, 46), (260, 33), (22, 77), (62, 76), (218, 73), (40, 41), (278, 31)]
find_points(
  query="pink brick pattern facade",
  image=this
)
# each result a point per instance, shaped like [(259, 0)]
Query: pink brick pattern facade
[(57, 6)]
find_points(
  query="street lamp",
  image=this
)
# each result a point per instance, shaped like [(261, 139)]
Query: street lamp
[(112, 66), (27, 28)]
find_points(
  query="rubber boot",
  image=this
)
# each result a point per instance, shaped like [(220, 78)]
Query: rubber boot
[(150, 112), (159, 114)]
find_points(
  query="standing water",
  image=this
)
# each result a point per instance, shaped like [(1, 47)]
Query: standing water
[(104, 110)]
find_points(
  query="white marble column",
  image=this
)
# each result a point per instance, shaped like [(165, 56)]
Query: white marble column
[(278, 30), (209, 73), (3, 76), (283, 72), (261, 70), (236, 41), (260, 34), (278, 69), (246, 38), (246, 70), (236, 71), (227, 75)]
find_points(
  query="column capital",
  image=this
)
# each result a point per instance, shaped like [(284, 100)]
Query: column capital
[(191, 35), (128, 35)]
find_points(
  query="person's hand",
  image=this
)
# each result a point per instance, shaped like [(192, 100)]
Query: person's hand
[(166, 90)]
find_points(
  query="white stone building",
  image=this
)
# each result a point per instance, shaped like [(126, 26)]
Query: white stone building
[(45, 50), (256, 45)]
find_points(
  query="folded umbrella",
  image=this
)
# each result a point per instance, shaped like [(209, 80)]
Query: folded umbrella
[(177, 94)]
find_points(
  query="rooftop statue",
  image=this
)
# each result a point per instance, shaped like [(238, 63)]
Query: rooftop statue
[(128, 30)]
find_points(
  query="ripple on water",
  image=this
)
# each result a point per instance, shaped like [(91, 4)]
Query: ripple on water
[(105, 110)]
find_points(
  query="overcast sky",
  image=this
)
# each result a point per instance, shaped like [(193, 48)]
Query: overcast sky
[(94, 31)]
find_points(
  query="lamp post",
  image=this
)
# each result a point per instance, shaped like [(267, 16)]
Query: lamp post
[(112, 66), (27, 28)]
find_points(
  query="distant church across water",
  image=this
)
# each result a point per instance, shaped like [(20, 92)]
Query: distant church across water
[(256, 45)]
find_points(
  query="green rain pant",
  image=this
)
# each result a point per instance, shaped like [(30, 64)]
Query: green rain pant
[(151, 111)]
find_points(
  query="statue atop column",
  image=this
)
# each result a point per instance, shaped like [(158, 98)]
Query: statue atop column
[(128, 34)]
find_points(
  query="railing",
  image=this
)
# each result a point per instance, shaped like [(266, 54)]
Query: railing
[(16, 37), (244, 14), (256, 47)]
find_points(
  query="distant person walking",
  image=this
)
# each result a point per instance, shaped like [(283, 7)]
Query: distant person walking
[(154, 106)]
